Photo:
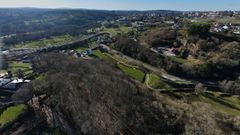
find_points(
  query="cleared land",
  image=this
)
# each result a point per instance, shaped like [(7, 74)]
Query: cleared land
[(81, 49), (225, 20), (25, 67), (115, 31), (13, 66), (46, 42), (129, 70), (132, 72), (179, 60), (11, 113), (155, 82), (104, 56), (229, 105)]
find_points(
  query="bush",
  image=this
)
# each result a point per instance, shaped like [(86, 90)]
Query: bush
[(199, 88), (231, 87)]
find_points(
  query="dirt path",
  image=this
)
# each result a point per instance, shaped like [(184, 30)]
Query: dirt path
[(147, 84)]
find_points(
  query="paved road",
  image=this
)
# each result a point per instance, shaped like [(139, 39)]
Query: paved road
[(156, 70), (23, 52), (163, 73)]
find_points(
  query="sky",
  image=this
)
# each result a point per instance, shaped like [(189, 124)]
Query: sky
[(183, 5)]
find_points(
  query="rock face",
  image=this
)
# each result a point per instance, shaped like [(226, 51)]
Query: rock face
[(52, 118)]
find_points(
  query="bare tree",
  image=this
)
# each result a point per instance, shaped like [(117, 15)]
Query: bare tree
[(200, 88), (20, 73)]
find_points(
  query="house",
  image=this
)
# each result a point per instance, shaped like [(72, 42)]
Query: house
[(225, 27)]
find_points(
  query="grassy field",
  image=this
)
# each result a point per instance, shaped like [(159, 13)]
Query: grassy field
[(228, 105), (81, 49), (156, 83), (220, 20), (114, 31), (179, 60), (120, 59), (132, 72), (46, 42), (104, 56), (11, 113), (14, 66)]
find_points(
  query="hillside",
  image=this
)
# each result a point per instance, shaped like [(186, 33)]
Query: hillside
[(71, 96), (30, 24)]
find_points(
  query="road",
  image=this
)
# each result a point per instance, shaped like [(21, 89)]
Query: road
[(162, 73), (72, 44)]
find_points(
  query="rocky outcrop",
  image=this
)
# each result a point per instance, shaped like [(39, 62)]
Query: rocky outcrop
[(53, 118)]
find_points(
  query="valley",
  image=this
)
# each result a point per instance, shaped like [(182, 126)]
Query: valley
[(66, 71)]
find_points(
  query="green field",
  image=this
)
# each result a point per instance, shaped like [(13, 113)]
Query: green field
[(104, 56), (81, 49), (179, 60), (120, 59), (132, 72), (11, 113), (156, 83), (46, 42), (115, 31), (224, 20), (227, 105), (14, 66)]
